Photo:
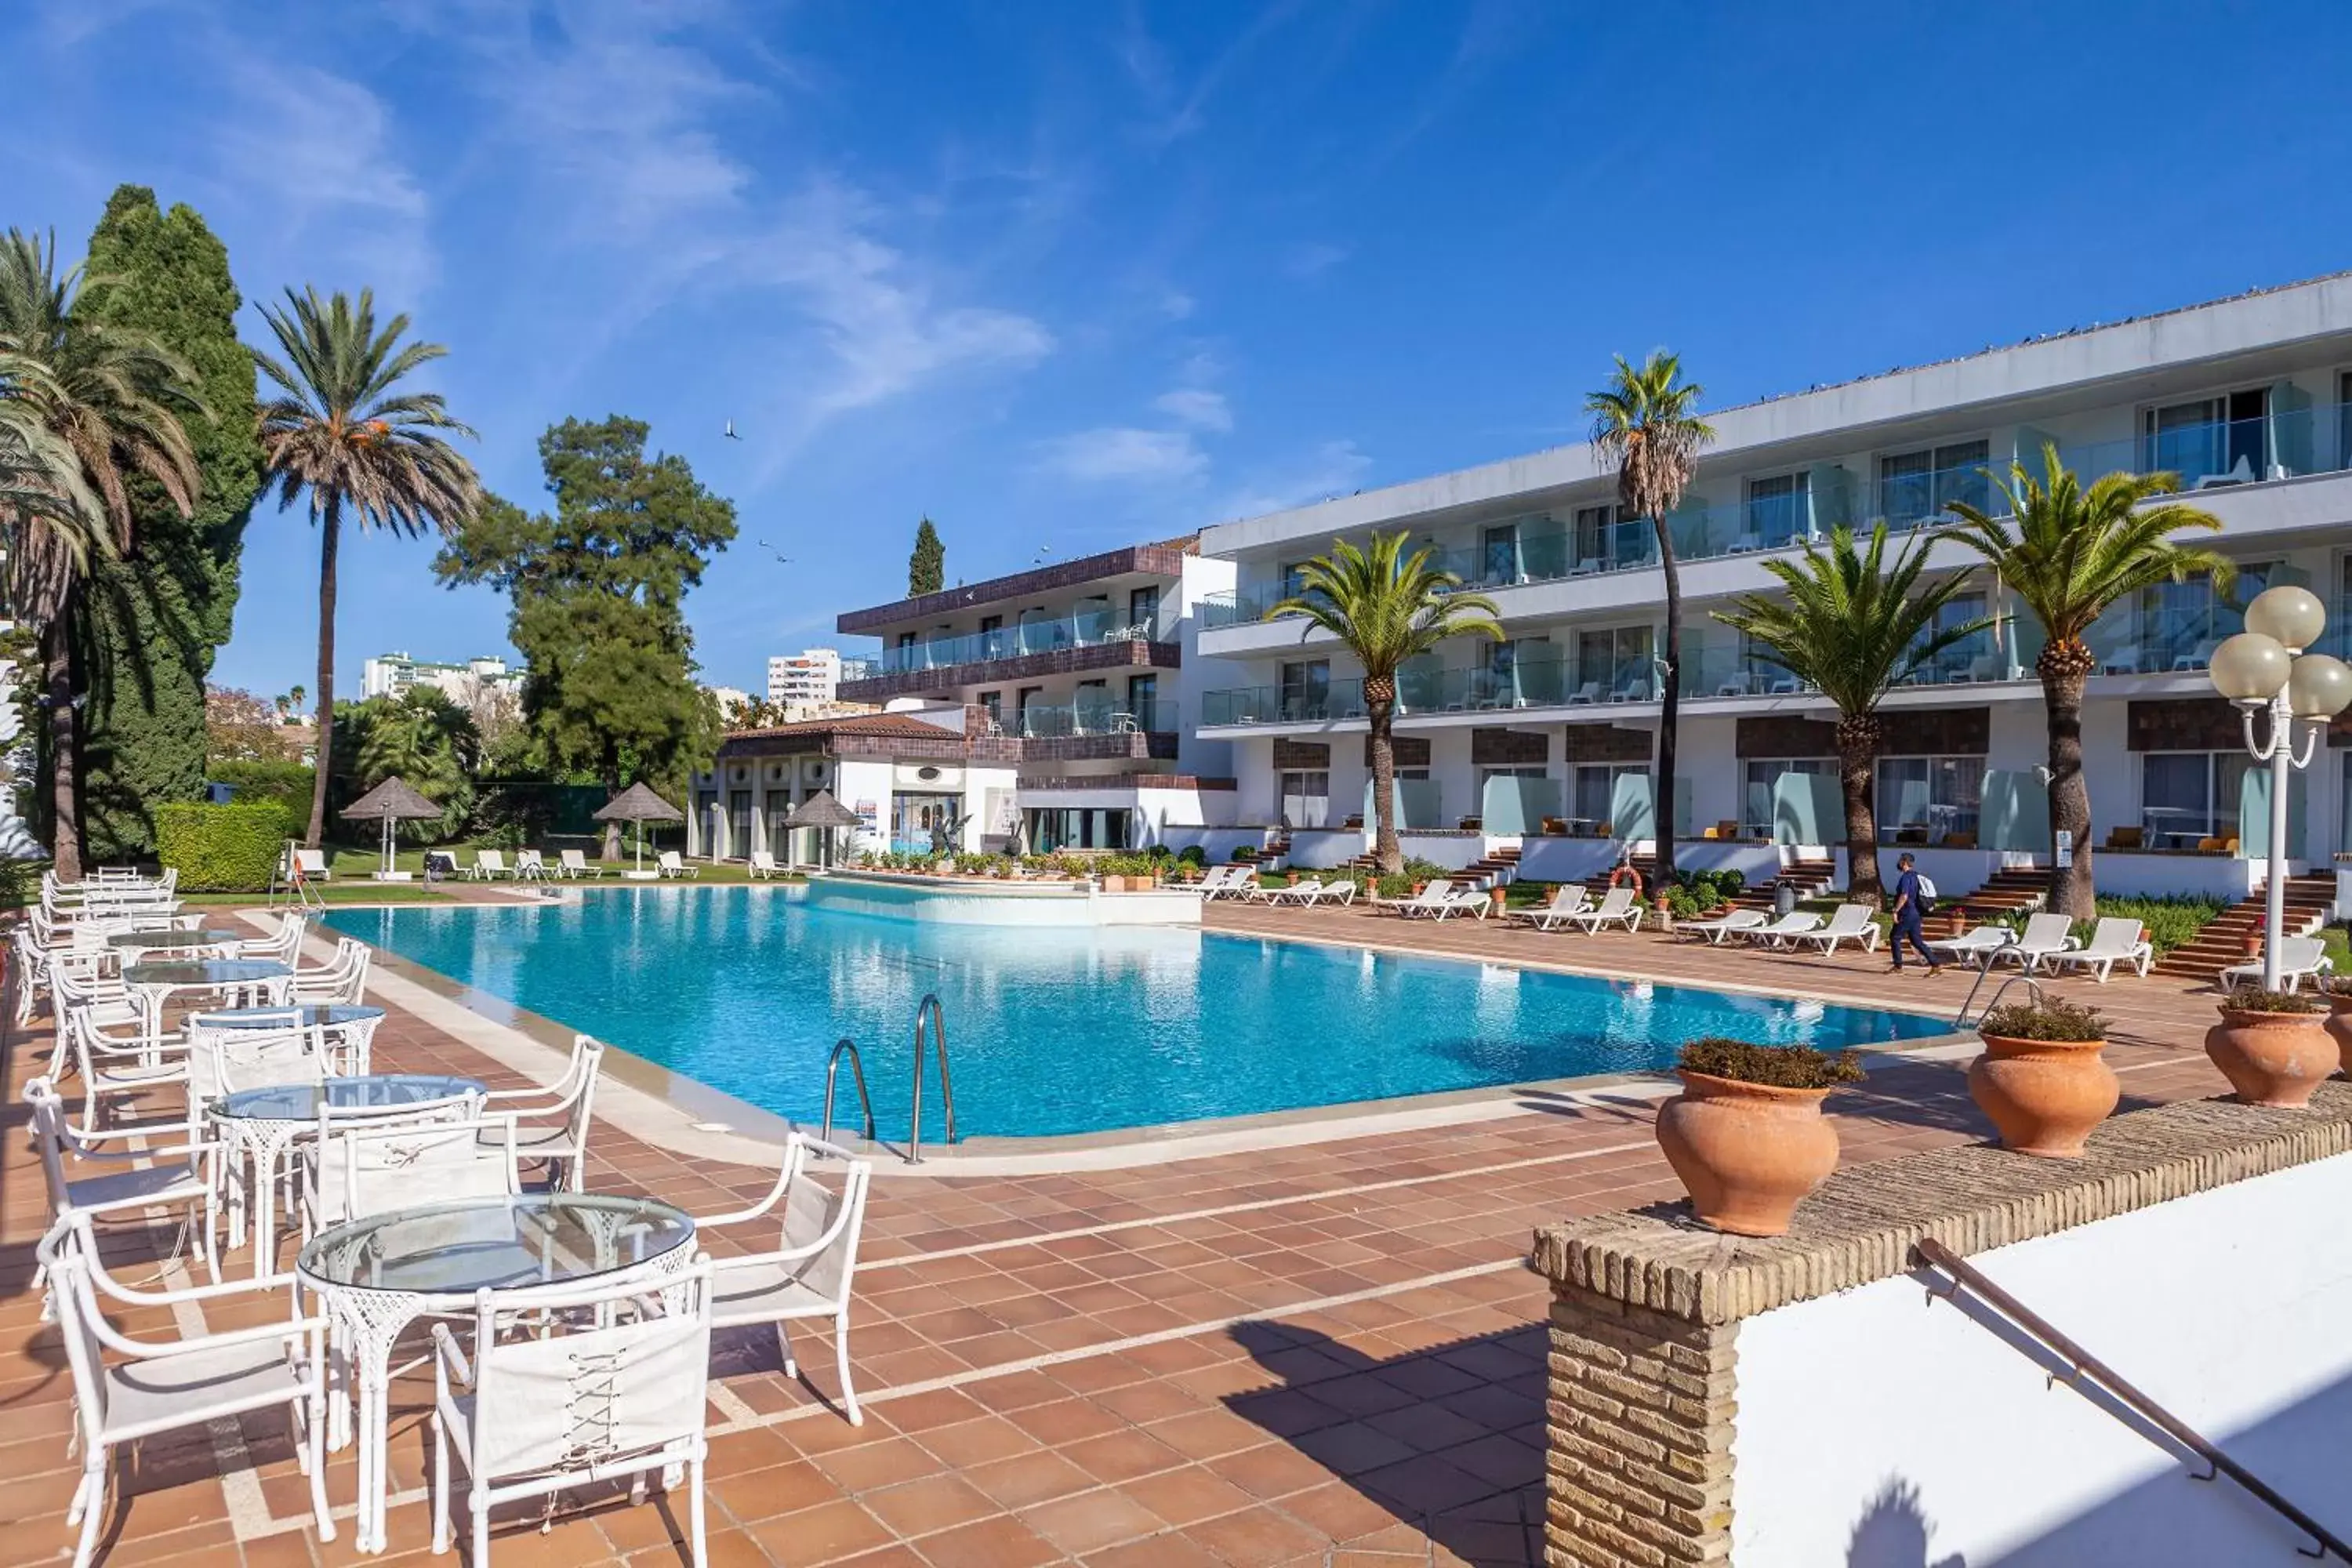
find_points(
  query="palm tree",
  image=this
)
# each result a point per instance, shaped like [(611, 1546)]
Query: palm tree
[(429, 741), (1385, 607), (340, 428), (107, 403), (1644, 422), (2069, 554), (1853, 626)]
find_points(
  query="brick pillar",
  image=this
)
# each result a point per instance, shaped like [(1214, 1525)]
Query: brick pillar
[(1640, 1409)]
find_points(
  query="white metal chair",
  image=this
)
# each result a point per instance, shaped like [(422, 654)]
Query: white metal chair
[(2301, 958), (117, 1067), (343, 978), (552, 1124), (618, 1390), (134, 1181), (312, 865), (156, 1388), (280, 945), (670, 863), (809, 1276), (2113, 941), (356, 1169)]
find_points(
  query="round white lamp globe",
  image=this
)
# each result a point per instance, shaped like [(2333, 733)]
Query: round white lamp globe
[(2250, 668), (2293, 617), (2320, 687)]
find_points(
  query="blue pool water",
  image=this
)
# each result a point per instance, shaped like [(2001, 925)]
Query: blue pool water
[(746, 989)]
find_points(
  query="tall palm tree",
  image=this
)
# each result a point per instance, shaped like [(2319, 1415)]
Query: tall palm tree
[(1853, 626), (109, 403), (2069, 553), (1644, 422), (1385, 607), (341, 428), (429, 741)]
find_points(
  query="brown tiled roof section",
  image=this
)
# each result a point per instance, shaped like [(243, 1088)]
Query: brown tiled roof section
[(1159, 560), (892, 725)]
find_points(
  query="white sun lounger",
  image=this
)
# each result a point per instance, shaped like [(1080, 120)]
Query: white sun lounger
[(1977, 946), (1475, 902), (2045, 936), (1430, 901), (1794, 924), (2113, 941), (1238, 881), (1715, 930), (1848, 922), (672, 863), (2299, 958), (1567, 900), (1618, 907), (573, 863), (1306, 890)]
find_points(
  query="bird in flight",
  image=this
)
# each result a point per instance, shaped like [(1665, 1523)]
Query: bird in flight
[(730, 432), (781, 559)]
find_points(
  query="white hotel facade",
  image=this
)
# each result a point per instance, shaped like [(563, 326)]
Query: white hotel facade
[(1545, 740)]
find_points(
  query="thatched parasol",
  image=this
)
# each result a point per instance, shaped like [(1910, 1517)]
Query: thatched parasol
[(639, 804), (822, 812), (390, 802)]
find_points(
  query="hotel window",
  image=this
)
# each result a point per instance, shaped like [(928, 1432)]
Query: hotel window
[(1143, 610), (1595, 796), (1973, 657), (1498, 556), (1293, 579), (1306, 689), (1608, 537), (1916, 485), (1143, 702), (1306, 798), (2187, 797), (1090, 707), (1023, 700), (992, 636), (1613, 665), (992, 704), (1763, 783), (2209, 437), (1779, 508), (1928, 800)]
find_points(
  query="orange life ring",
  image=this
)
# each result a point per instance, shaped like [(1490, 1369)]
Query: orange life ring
[(1623, 873)]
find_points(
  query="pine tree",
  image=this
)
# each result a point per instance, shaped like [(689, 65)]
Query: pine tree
[(157, 617), (927, 568)]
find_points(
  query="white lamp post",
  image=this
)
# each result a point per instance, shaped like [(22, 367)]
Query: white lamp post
[(2264, 668)]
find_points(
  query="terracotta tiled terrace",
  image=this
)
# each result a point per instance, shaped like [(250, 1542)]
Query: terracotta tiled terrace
[(1327, 1353)]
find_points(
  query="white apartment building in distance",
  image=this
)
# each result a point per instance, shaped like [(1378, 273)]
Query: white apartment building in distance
[(806, 683), (1545, 741), (390, 674)]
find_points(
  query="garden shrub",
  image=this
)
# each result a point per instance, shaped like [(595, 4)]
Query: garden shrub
[(222, 849), (2047, 1020), (1782, 1067), (1193, 855), (1731, 881)]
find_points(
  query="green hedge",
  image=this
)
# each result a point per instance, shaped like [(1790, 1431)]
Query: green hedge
[(222, 849)]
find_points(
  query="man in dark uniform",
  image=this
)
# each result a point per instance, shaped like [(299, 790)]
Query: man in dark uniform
[(1909, 902)]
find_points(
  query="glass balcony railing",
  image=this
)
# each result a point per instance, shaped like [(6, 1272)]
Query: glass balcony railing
[(1282, 705), (2208, 457), (1006, 642), (1105, 717)]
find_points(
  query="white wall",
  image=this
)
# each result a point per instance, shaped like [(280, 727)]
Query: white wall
[(2228, 1307)]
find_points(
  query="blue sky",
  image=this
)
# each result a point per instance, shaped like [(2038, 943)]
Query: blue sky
[(1065, 276)]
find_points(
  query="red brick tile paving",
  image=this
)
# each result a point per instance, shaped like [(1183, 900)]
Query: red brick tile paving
[(1018, 1411)]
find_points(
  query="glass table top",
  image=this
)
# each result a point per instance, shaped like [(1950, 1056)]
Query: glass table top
[(207, 972), (541, 1238), (377, 1092), (304, 1015), (210, 936)]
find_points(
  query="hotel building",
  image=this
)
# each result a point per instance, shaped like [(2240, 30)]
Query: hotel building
[(1545, 740)]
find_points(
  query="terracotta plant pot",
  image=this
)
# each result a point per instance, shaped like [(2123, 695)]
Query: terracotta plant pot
[(1747, 1152), (2339, 1027), (1497, 899), (2044, 1096), (2272, 1058), (1114, 884), (2252, 943)]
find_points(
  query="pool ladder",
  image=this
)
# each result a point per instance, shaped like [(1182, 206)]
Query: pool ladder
[(930, 1023)]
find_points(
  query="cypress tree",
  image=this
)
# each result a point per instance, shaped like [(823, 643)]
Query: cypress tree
[(157, 617), (927, 568)]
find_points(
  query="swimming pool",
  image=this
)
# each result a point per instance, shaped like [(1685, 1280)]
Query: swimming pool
[(1060, 1031)]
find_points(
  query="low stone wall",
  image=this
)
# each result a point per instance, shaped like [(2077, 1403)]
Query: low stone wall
[(2191, 1247)]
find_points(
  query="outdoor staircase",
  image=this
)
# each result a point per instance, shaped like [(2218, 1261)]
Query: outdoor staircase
[(2006, 891), (1498, 869), (1811, 879), (2309, 900)]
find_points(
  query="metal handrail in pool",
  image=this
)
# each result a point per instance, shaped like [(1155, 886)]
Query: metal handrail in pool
[(928, 1010), (846, 1047)]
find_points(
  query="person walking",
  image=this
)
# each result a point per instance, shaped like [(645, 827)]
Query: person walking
[(1911, 896)]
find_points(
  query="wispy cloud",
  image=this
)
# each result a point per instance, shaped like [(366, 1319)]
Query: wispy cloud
[(1123, 454), (1332, 469), (1196, 406), (1311, 261), (337, 189)]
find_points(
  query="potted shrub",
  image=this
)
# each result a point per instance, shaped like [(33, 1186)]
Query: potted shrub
[(2338, 989), (1747, 1135), (2042, 1080), (2273, 1046)]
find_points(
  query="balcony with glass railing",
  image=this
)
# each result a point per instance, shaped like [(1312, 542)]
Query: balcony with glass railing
[(1783, 511), (1088, 630), (1104, 716)]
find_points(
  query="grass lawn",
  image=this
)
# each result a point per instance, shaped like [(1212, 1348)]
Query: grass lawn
[(337, 893)]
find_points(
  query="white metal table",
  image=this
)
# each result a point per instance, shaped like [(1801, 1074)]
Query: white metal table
[(264, 1123), (346, 1030), (378, 1275)]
